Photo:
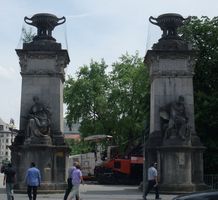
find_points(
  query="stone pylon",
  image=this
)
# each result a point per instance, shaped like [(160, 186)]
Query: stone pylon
[(40, 138), (173, 142)]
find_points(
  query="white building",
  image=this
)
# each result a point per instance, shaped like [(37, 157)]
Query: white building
[(6, 139)]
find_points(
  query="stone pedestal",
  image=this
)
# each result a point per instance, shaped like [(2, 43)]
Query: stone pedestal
[(176, 165), (41, 138), (171, 74), (173, 142), (51, 160)]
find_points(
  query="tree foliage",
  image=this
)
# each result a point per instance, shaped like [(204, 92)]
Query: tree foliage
[(86, 98), (203, 34), (114, 103), (78, 147), (129, 98), (27, 35)]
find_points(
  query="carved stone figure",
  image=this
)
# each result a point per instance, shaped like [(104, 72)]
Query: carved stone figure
[(38, 126), (174, 120)]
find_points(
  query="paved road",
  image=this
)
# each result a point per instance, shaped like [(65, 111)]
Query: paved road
[(93, 192), (97, 192)]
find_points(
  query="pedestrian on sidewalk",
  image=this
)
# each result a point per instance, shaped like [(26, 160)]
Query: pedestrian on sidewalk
[(9, 180), (152, 181), (69, 181), (76, 180), (33, 180)]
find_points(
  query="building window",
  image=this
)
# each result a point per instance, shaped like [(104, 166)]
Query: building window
[(1, 127), (6, 140)]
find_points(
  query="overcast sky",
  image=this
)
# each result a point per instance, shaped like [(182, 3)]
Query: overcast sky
[(94, 29)]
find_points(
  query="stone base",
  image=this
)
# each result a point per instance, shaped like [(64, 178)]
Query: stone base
[(182, 188), (46, 45), (50, 160), (195, 140), (174, 43), (44, 188), (58, 139), (178, 169), (177, 188), (46, 140), (201, 187)]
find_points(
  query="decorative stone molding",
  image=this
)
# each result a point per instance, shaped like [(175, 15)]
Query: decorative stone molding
[(23, 62), (170, 64)]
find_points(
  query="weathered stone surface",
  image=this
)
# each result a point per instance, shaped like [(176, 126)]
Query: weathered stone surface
[(43, 75), (173, 142), (40, 137), (50, 160), (171, 76)]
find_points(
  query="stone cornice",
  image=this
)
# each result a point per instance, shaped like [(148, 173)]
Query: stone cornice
[(170, 64), (60, 59), (43, 54), (170, 75), (161, 54), (43, 74)]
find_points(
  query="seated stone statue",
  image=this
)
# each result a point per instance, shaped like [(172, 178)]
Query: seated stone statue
[(174, 120), (38, 126)]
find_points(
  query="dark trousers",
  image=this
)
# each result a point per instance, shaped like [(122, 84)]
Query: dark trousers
[(69, 188), (150, 186), (32, 192)]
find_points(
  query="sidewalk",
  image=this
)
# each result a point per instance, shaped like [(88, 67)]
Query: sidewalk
[(96, 192)]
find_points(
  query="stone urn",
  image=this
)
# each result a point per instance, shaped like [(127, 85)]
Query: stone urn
[(169, 23), (45, 23)]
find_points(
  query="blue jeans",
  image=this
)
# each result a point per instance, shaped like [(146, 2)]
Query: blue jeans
[(9, 191)]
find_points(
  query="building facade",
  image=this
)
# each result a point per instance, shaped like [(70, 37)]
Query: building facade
[(6, 139), (72, 131)]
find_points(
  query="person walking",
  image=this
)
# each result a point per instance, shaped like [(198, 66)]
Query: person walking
[(9, 180), (69, 181), (33, 180), (152, 181), (76, 180)]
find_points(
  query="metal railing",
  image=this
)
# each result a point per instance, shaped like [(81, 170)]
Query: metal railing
[(211, 180)]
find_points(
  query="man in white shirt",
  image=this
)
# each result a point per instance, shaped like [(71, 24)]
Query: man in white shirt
[(152, 181)]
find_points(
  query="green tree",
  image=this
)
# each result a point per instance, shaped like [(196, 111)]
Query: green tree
[(78, 147), (129, 98), (27, 35), (203, 34), (86, 98), (116, 103)]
